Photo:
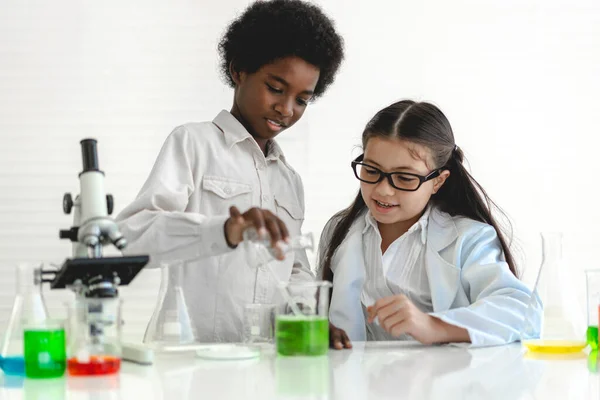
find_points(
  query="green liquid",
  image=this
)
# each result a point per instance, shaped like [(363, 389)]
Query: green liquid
[(592, 337), (593, 361), (302, 336), (45, 355), (306, 377)]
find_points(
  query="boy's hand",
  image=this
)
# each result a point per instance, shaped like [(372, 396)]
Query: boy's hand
[(338, 338), (264, 221)]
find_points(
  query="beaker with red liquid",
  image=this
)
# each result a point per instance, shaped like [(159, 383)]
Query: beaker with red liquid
[(94, 337)]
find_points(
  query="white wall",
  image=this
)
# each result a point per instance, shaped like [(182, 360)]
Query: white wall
[(518, 80)]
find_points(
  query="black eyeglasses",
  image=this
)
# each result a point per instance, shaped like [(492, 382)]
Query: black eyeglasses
[(399, 180)]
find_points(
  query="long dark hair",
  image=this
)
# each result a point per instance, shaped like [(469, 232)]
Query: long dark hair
[(424, 124)]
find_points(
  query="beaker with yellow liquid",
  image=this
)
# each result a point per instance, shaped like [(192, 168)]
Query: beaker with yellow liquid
[(562, 328)]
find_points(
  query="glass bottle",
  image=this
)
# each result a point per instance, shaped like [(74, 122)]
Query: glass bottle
[(260, 251), (562, 326), (28, 308), (171, 325)]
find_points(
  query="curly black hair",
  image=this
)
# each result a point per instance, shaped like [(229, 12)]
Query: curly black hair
[(271, 30)]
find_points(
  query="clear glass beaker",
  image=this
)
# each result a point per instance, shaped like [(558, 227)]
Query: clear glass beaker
[(28, 307), (94, 336), (260, 251), (592, 280), (259, 324), (302, 321), (562, 326), (171, 325)]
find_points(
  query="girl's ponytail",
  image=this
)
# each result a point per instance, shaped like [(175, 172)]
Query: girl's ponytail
[(462, 195)]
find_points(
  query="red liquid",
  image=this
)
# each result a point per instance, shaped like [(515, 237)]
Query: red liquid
[(96, 366)]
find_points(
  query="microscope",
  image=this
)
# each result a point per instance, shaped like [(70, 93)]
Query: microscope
[(88, 273), (94, 278)]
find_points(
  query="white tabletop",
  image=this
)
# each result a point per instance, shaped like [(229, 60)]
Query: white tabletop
[(375, 370)]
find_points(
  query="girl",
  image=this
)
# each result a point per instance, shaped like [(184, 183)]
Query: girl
[(418, 252), (278, 56)]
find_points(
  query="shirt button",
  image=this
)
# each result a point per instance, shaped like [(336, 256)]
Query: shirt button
[(265, 197), (227, 190), (260, 167)]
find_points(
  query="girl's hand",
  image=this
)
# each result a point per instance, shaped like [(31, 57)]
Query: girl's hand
[(398, 315), (264, 221), (338, 339)]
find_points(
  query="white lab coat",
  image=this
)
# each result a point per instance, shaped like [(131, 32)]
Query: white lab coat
[(471, 284)]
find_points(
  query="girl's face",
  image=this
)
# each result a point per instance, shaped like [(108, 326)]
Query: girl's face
[(387, 204), (273, 98)]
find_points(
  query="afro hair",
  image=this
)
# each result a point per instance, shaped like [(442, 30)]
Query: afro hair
[(271, 30)]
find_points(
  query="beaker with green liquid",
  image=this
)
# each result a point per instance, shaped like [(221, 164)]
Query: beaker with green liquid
[(592, 278), (302, 321), (45, 349)]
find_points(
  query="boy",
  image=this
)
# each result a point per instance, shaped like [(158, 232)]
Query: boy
[(278, 56)]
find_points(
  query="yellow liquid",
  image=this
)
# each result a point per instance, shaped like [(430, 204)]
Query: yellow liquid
[(555, 346)]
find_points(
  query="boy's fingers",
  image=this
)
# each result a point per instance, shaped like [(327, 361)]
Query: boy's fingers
[(257, 220), (347, 343), (335, 339), (285, 235), (273, 228), (235, 215), (234, 212), (338, 338)]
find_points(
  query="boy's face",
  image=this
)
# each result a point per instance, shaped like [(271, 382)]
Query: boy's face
[(273, 98)]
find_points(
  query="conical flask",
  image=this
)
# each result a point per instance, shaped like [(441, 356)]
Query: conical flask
[(28, 307), (171, 325), (562, 327)]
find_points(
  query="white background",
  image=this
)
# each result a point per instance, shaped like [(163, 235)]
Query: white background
[(519, 81)]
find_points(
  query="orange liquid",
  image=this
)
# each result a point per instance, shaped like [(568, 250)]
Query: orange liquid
[(103, 365)]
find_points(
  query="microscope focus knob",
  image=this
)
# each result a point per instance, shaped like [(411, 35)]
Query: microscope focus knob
[(110, 203), (67, 203)]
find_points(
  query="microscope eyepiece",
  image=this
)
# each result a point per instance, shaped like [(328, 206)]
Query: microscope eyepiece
[(89, 154)]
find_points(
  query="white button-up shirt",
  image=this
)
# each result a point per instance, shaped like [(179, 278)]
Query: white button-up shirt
[(400, 270), (180, 212)]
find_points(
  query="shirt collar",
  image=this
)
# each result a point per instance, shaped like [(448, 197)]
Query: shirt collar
[(275, 151), (420, 226), (234, 133)]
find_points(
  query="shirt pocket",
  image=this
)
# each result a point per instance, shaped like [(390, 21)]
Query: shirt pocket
[(289, 211), (220, 193)]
